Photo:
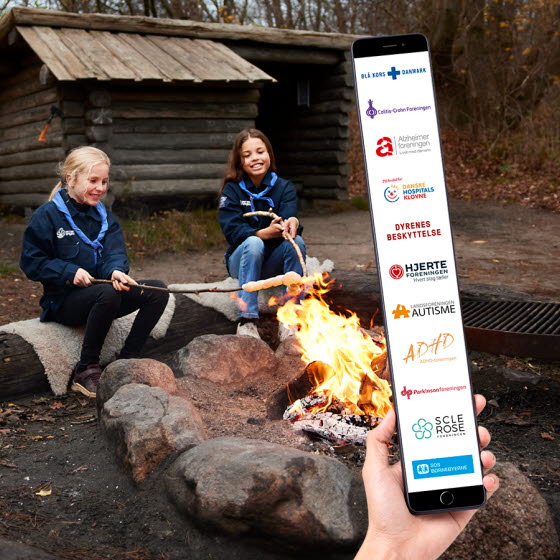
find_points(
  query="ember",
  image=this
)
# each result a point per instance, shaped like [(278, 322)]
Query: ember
[(345, 364)]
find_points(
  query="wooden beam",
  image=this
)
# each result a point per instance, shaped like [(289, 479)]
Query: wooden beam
[(143, 109), (307, 56), (172, 187), (21, 144), (31, 200), (173, 27), (28, 171), (173, 141), (172, 171), (30, 157), (186, 126), (130, 157)]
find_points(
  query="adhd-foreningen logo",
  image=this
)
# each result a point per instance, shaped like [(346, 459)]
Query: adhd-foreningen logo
[(424, 309), (421, 271), (406, 392), (431, 350)]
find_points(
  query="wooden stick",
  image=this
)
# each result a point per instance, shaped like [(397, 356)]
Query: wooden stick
[(170, 290), (285, 235)]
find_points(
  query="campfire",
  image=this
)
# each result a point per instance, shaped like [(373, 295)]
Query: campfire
[(345, 366)]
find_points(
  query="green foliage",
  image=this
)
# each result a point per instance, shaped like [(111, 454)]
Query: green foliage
[(7, 269), (360, 203), (172, 231)]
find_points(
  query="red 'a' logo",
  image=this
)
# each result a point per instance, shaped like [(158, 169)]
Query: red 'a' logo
[(385, 147)]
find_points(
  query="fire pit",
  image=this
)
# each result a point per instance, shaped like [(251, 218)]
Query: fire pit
[(346, 369)]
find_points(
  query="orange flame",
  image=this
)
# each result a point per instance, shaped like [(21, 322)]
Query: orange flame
[(352, 358)]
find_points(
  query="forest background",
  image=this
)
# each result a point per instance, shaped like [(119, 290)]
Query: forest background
[(496, 70)]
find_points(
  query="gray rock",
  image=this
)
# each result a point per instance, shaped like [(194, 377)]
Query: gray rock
[(226, 358), (255, 488), (11, 550), (515, 524), (145, 425), (144, 371)]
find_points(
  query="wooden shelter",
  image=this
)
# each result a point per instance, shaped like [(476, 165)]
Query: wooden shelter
[(165, 99)]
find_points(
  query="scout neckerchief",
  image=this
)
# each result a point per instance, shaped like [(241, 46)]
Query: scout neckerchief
[(261, 195), (96, 244)]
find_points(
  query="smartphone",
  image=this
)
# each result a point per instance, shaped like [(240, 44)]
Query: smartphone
[(432, 391)]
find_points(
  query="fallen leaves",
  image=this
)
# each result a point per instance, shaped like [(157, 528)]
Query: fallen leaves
[(546, 435), (6, 463), (44, 490)]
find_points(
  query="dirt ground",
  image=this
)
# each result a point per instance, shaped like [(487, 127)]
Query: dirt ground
[(61, 492)]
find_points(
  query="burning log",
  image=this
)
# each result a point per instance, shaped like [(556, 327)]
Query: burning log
[(338, 429)]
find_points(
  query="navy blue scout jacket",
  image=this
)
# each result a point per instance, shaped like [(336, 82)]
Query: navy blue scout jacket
[(234, 202), (52, 252)]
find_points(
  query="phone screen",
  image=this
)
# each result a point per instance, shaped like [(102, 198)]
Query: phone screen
[(416, 266)]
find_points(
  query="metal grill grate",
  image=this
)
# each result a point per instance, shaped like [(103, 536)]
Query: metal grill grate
[(531, 317), (515, 328)]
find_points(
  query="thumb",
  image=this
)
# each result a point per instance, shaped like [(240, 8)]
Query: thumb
[(378, 439)]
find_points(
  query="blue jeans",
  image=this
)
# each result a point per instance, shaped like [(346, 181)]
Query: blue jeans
[(253, 260)]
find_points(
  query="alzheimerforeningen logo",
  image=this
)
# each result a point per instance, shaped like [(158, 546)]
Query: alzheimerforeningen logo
[(422, 429)]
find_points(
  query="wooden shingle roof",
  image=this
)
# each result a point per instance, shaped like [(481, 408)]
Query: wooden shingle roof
[(81, 54)]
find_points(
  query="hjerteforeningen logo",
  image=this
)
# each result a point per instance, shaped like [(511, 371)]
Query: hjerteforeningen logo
[(425, 309), (396, 271), (406, 392), (394, 73), (431, 351), (385, 147), (422, 429), (62, 233), (413, 230), (371, 111), (427, 271), (391, 193)]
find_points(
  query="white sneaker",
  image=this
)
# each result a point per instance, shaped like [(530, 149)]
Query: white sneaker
[(285, 332), (248, 329)]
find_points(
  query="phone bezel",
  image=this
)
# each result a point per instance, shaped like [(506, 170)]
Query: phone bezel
[(425, 502)]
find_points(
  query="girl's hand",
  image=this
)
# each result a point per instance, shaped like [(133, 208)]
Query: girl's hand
[(82, 278), (275, 229), (291, 225), (121, 281)]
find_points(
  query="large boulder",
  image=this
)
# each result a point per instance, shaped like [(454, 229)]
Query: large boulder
[(226, 358), (142, 371), (145, 425), (255, 488), (515, 524)]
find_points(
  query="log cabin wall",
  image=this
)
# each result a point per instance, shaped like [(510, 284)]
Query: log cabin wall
[(27, 166), (305, 115), (174, 141)]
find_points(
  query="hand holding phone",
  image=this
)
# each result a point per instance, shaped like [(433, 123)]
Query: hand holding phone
[(431, 385), (393, 531)]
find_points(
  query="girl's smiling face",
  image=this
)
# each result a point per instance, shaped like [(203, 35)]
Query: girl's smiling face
[(89, 187), (255, 159)]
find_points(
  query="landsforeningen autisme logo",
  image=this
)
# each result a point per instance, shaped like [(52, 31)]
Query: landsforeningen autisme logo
[(424, 309)]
